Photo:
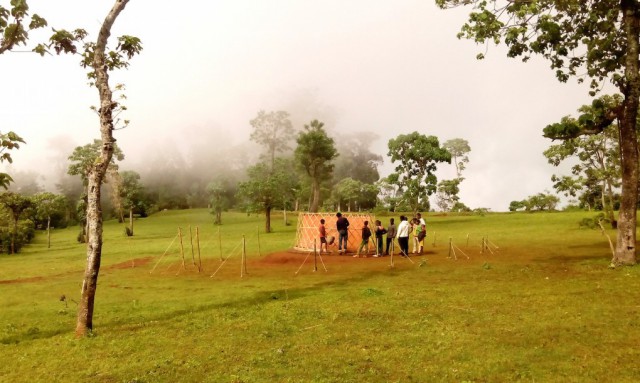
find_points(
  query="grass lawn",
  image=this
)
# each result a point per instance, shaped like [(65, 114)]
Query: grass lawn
[(539, 305)]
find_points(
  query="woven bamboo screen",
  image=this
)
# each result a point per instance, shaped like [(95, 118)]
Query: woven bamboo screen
[(308, 223)]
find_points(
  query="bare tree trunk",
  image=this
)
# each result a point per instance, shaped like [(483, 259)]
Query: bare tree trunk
[(131, 220), (315, 202), (84, 323), (626, 241), (267, 217)]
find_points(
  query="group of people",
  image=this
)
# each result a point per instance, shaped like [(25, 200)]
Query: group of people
[(416, 226)]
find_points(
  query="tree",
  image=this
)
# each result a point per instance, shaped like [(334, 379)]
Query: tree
[(448, 193), (459, 149), (265, 186), (597, 155), (16, 204), (219, 199), (272, 130), (46, 205), (314, 155), (346, 190), (100, 62), (83, 160), (598, 38), (356, 159), (132, 196), (417, 156), (15, 25)]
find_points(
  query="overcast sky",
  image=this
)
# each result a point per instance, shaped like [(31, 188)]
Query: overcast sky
[(374, 67)]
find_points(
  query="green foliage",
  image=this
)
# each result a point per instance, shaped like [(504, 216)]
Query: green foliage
[(597, 171), (8, 141), (274, 131), (417, 156), (266, 187), (314, 155), (569, 34), (16, 233), (537, 202), (49, 207), (84, 157), (459, 149), (12, 25), (272, 326), (447, 194), (132, 193)]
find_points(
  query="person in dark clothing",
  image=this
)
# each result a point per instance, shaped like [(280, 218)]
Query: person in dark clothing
[(380, 231), (366, 234), (391, 235), (342, 224)]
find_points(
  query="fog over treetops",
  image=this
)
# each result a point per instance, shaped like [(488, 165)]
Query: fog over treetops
[(373, 69)]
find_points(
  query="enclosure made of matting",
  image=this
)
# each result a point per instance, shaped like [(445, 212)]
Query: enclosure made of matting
[(308, 230)]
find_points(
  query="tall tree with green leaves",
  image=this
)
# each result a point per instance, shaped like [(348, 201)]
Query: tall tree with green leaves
[(219, 194), (265, 186), (274, 131), (101, 60), (594, 39), (16, 204), (314, 155), (459, 149), (82, 160), (417, 157), (596, 157), (46, 205)]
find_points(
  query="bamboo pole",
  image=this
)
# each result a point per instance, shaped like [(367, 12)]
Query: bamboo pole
[(243, 261), (198, 244), (220, 243), (181, 249), (259, 252), (193, 256), (449, 256), (315, 257)]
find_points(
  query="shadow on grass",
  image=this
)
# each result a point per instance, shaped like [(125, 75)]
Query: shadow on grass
[(263, 297)]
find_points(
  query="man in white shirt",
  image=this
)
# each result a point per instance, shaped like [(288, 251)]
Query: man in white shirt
[(403, 235)]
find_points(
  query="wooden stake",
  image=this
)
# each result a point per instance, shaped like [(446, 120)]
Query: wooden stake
[(243, 261), (193, 256), (181, 248), (198, 243), (259, 252), (315, 257), (449, 256), (220, 243)]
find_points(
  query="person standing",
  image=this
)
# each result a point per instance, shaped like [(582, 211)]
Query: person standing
[(417, 228), (342, 224), (423, 231), (391, 235), (403, 235), (380, 231), (366, 234), (322, 232)]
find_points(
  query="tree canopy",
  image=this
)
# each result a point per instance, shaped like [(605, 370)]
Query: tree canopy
[(593, 39), (314, 155), (417, 157)]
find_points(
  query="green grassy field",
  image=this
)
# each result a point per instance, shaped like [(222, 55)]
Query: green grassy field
[(541, 305)]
